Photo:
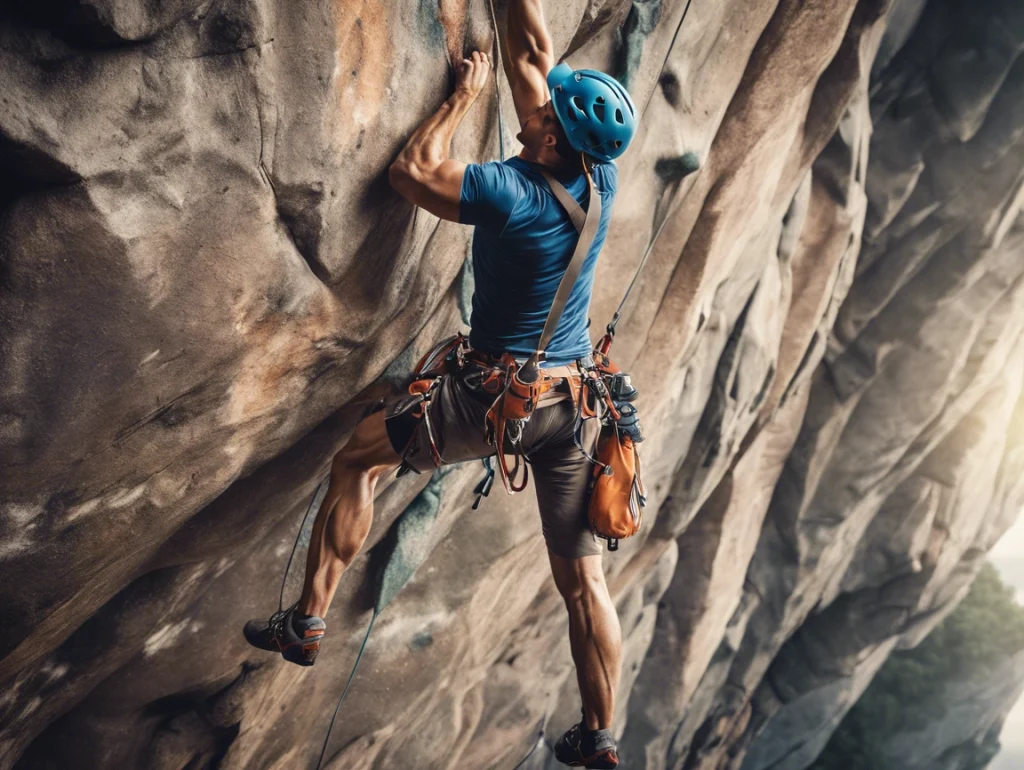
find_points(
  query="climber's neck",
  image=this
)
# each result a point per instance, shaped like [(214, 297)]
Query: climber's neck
[(547, 158)]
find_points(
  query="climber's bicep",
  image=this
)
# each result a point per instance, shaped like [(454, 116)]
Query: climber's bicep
[(436, 190)]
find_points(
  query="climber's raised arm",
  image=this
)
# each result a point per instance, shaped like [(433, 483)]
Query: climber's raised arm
[(529, 55), (423, 173)]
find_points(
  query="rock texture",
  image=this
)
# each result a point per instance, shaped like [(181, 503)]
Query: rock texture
[(205, 279), (974, 712)]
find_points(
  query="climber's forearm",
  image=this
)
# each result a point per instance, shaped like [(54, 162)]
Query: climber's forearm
[(430, 145), (529, 56), (423, 173), (528, 41)]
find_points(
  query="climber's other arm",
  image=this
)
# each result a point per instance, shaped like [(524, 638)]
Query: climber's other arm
[(423, 173), (529, 55)]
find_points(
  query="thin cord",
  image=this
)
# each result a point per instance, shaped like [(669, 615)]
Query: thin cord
[(298, 537), (540, 740), (497, 90), (280, 605), (348, 684), (668, 53), (664, 221), (640, 267)]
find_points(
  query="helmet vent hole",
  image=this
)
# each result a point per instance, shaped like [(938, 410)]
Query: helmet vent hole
[(599, 100), (578, 102), (594, 141), (618, 144), (572, 116), (618, 116), (599, 111)]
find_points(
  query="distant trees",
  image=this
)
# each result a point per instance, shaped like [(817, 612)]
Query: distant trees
[(907, 694)]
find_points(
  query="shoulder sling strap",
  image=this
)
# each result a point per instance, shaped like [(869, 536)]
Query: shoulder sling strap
[(586, 224)]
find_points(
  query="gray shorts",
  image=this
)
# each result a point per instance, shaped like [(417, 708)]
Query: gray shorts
[(560, 471)]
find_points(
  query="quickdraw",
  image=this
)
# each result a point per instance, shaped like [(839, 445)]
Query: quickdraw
[(507, 419)]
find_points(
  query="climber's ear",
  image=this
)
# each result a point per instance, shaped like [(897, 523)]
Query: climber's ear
[(436, 189)]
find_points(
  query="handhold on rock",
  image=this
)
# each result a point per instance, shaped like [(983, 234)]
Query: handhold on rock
[(675, 169)]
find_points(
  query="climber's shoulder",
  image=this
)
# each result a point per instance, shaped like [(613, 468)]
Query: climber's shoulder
[(606, 177), (490, 192)]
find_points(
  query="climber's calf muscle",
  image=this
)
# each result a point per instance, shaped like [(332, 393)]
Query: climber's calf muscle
[(434, 189)]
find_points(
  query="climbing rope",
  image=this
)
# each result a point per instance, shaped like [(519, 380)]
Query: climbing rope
[(314, 503), (540, 741), (403, 554), (668, 53), (351, 676), (497, 90), (664, 220)]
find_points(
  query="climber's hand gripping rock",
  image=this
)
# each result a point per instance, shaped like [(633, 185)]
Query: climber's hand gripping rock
[(471, 74)]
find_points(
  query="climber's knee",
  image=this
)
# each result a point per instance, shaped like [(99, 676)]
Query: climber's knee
[(579, 580)]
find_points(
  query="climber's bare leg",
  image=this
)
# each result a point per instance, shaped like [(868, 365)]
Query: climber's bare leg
[(345, 516), (594, 634)]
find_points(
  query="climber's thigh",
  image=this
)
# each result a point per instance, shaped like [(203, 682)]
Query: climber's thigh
[(456, 423), (368, 448), (561, 473)]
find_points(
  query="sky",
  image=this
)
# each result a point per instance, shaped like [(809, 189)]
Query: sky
[(1008, 556)]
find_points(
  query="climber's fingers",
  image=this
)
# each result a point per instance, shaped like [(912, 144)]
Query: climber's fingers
[(471, 75)]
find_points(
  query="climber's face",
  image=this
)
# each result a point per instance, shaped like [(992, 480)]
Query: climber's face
[(539, 129)]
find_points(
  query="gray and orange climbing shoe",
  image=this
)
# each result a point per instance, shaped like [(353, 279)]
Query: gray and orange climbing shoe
[(296, 637), (580, 747)]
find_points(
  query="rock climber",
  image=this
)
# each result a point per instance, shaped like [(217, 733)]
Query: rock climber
[(522, 242)]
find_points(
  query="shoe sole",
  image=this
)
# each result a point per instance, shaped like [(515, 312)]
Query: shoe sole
[(606, 759), (302, 653)]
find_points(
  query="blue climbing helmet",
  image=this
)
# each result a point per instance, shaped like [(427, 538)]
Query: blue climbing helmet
[(595, 111)]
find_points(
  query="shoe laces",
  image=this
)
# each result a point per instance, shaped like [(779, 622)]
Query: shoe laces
[(277, 621), (574, 737)]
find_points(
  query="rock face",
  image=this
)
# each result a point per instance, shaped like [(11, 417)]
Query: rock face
[(205, 279), (974, 715)]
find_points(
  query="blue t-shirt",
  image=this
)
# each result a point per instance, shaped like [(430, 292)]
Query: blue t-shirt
[(522, 244)]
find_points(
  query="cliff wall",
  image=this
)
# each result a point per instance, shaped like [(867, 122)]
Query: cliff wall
[(205, 279)]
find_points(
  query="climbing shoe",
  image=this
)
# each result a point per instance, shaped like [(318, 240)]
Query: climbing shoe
[(296, 638), (580, 747)]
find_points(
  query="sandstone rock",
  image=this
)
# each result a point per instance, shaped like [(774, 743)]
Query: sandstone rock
[(972, 710), (205, 280)]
